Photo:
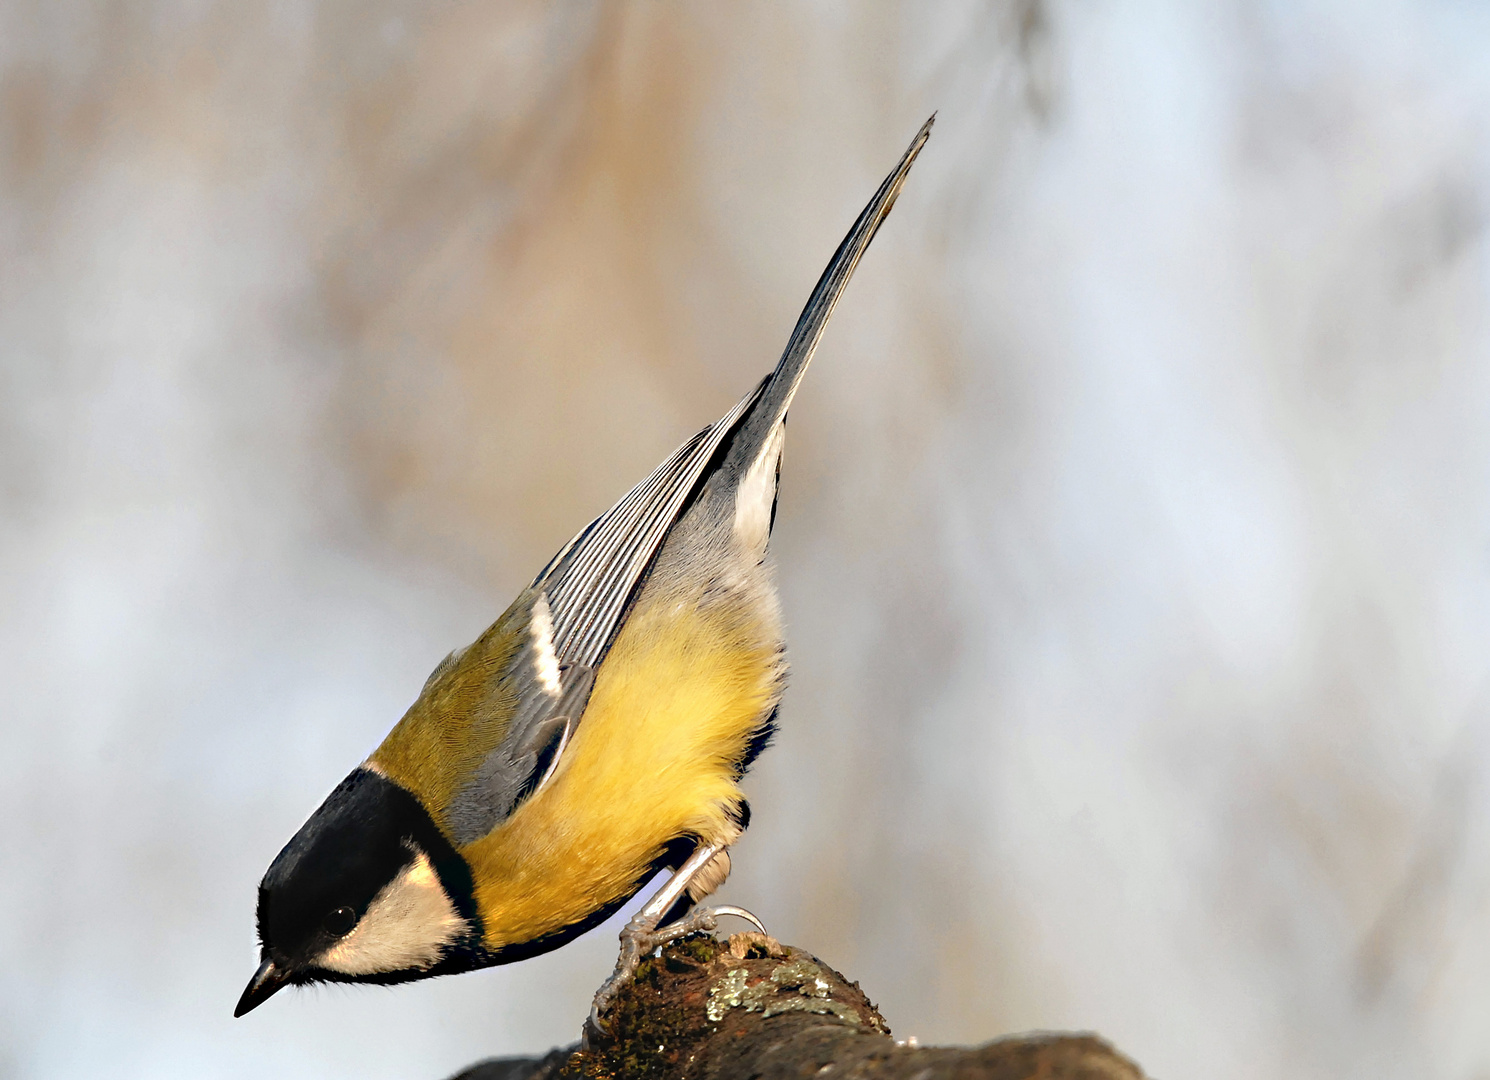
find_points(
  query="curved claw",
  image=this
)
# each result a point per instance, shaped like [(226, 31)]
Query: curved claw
[(739, 913)]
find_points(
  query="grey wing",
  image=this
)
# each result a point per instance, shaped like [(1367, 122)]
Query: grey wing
[(591, 580), (546, 699), (578, 603)]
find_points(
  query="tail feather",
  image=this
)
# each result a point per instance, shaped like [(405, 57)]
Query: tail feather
[(781, 386)]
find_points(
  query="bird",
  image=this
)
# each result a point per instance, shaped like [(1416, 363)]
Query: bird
[(591, 738)]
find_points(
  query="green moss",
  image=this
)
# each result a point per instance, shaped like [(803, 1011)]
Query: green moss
[(651, 1026)]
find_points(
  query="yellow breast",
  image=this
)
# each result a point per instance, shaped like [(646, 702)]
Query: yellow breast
[(655, 757)]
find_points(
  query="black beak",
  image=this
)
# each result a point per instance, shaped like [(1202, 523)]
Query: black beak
[(261, 987)]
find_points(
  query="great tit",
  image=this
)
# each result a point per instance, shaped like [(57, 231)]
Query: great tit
[(592, 736)]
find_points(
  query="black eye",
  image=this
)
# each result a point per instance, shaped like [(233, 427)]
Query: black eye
[(340, 922)]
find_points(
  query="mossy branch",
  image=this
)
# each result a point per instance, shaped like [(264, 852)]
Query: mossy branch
[(752, 1010)]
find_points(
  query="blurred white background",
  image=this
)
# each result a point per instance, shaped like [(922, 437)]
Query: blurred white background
[(1134, 534)]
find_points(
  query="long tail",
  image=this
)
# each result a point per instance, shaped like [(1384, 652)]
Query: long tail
[(775, 395), (592, 579)]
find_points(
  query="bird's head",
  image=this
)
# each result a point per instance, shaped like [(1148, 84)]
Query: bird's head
[(369, 890)]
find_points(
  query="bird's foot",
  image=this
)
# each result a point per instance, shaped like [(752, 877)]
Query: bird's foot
[(639, 939)]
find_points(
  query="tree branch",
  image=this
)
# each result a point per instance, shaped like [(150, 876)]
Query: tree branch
[(752, 1010)]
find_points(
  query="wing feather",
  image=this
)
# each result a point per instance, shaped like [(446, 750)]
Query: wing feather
[(589, 585)]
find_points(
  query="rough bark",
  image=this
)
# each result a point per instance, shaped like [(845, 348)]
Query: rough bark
[(752, 1010)]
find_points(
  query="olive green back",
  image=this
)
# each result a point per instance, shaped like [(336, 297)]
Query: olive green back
[(460, 717)]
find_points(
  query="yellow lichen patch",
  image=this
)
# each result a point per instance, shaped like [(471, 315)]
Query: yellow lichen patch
[(653, 758)]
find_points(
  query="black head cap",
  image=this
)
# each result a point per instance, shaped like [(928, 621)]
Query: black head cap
[(319, 887)]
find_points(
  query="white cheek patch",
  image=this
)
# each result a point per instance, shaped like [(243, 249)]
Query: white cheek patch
[(407, 926), (756, 493)]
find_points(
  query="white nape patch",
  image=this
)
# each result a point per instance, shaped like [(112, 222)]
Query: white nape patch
[(545, 663), (756, 493), (406, 927)]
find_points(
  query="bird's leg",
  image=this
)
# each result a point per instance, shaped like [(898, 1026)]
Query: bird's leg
[(642, 934)]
